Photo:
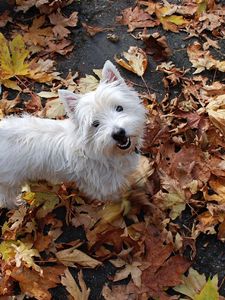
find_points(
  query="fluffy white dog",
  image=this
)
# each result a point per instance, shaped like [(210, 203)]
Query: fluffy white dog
[(95, 146)]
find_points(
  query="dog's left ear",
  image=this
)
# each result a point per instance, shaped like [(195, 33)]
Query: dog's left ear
[(110, 73), (69, 100)]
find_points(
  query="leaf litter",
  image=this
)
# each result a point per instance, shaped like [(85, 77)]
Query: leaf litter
[(184, 164)]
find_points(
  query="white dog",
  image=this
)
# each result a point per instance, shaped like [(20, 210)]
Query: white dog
[(95, 146)]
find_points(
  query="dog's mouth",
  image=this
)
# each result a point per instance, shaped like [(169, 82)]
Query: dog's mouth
[(125, 145)]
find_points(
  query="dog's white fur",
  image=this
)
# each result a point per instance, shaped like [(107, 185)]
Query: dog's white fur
[(32, 148)]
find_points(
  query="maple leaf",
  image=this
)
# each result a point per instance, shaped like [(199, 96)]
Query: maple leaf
[(173, 198), (35, 284), (130, 269), (61, 22), (196, 287), (136, 61), (202, 60), (12, 60), (37, 35), (136, 18), (159, 274), (62, 48), (78, 293), (72, 256), (25, 253)]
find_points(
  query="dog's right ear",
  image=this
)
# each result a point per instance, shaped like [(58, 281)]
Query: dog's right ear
[(69, 100), (110, 73)]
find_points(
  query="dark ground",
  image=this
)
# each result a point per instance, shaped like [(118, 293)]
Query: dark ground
[(90, 53)]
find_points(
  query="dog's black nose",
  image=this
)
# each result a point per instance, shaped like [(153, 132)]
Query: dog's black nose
[(119, 135)]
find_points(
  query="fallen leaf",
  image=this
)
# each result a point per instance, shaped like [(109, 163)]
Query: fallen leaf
[(136, 61), (54, 109), (25, 253), (136, 18), (72, 256), (12, 59), (196, 287), (60, 23), (130, 269), (216, 112), (92, 30), (37, 34), (36, 285), (202, 60), (80, 292), (157, 47)]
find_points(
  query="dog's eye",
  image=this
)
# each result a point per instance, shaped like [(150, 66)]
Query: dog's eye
[(96, 123), (119, 108)]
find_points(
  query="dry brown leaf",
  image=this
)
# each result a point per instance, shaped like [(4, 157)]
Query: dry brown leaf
[(60, 23), (130, 269), (202, 60), (37, 34), (136, 60), (35, 285), (93, 30), (78, 293), (136, 18), (216, 112), (73, 256)]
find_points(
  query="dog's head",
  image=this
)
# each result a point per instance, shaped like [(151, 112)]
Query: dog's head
[(109, 120)]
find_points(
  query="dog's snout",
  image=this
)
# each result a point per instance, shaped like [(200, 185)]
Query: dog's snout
[(119, 135)]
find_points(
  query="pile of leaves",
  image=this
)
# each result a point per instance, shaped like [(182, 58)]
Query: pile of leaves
[(143, 236)]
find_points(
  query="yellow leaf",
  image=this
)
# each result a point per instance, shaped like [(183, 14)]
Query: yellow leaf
[(19, 54), (209, 291), (12, 58), (196, 288), (192, 284), (11, 84), (7, 251)]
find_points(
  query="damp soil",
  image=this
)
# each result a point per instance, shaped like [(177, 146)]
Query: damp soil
[(90, 53)]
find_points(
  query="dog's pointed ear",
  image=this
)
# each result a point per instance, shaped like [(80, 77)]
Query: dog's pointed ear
[(69, 100), (110, 73)]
